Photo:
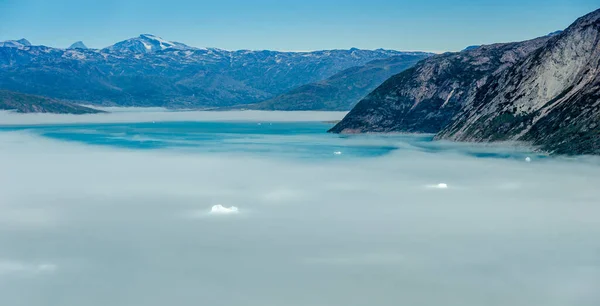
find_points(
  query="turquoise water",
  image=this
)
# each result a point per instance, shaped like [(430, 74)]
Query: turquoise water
[(297, 139)]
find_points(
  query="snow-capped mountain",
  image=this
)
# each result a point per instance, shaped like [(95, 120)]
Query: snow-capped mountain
[(146, 43), (78, 45), (150, 71), (15, 43)]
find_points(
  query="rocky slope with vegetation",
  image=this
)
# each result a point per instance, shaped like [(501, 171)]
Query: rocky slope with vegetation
[(24, 103), (544, 91)]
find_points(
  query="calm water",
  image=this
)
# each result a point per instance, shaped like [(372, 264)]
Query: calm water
[(300, 140), (121, 214)]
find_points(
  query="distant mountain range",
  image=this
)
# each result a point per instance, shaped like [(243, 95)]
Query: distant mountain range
[(342, 90), (24, 103), (544, 91), (150, 71)]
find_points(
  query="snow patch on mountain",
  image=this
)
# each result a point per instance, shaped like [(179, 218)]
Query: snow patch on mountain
[(147, 43), (20, 44)]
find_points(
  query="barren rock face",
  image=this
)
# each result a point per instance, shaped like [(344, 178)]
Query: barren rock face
[(559, 80), (545, 91), (427, 97)]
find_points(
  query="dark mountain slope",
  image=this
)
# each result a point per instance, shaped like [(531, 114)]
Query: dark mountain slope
[(545, 91), (78, 45), (24, 103), (426, 97), (551, 99), (343, 90)]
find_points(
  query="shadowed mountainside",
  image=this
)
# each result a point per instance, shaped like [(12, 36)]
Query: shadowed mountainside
[(544, 91), (343, 90), (24, 103)]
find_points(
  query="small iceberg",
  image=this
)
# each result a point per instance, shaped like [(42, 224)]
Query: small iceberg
[(222, 210), (438, 186), (337, 153), (528, 159)]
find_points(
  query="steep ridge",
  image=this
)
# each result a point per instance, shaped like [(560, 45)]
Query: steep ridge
[(344, 89), (552, 98), (426, 97), (547, 93)]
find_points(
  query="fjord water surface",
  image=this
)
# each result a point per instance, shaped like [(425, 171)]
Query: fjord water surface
[(290, 139), (120, 214)]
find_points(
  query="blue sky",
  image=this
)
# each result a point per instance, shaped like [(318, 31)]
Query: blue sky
[(431, 25)]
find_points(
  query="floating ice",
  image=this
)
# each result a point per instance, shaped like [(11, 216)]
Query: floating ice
[(337, 152), (528, 159), (222, 210), (438, 186)]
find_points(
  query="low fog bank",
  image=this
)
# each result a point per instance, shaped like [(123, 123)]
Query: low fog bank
[(94, 226), (127, 115)]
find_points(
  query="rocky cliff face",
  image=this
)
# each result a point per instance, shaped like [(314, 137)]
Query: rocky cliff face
[(544, 91), (426, 97), (551, 98)]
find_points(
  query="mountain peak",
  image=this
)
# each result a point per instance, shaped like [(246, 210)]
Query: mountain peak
[(78, 45), (149, 36), (147, 43), (24, 42), (15, 43)]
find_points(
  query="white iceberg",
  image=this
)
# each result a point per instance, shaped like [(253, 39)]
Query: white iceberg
[(337, 153), (222, 210), (438, 186)]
